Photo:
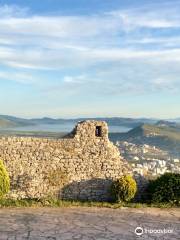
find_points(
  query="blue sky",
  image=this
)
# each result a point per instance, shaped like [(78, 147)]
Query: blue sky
[(71, 58)]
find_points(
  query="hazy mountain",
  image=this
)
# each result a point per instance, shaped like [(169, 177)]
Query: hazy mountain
[(161, 136), (114, 121), (177, 120), (6, 123), (9, 121), (163, 123)]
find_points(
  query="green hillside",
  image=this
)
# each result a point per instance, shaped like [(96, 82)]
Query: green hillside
[(147, 130), (164, 137)]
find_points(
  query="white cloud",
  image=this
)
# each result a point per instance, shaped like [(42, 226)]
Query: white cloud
[(54, 42), (75, 79), (168, 41), (74, 57), (60, 26), (19, 77), (7, 11), (136, 20), (150, 16), (90, 44)]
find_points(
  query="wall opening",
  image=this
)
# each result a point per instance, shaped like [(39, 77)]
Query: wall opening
[(98, 132)]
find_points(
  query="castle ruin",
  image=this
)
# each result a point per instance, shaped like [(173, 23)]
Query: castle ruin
[(79, 167)]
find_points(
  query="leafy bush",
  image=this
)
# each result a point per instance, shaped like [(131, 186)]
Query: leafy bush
[(123, 189), (165, 188), (4, 180)]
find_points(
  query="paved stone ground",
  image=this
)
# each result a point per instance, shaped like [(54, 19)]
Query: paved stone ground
[(87, 223)]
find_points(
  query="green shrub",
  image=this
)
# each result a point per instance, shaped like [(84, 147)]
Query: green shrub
[(165, 188), (4, 180), (123, 189)]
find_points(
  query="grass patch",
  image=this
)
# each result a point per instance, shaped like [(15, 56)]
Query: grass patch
[(62, 203)]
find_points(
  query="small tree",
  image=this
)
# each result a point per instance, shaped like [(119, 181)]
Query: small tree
[(123, 189), (4, 180), (165, 188)]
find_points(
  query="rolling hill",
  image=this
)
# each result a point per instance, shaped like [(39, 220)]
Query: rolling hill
[(162, 136), (9, 121), (6, 123)]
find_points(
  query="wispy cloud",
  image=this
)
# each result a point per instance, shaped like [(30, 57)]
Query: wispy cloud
[(7, 11), (24, 78), (74, 57), (150, 16)]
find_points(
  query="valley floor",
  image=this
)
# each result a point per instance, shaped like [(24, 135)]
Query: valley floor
[(83, 223)]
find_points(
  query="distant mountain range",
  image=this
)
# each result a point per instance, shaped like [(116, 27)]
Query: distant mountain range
[(10, 121), (164, 134)]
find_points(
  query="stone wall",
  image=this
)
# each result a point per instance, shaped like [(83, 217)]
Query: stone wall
[(82, 166)]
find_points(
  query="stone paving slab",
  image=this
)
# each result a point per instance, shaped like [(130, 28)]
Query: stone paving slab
[(81, 223)]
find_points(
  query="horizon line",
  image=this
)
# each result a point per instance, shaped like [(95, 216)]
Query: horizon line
[(89, 117)]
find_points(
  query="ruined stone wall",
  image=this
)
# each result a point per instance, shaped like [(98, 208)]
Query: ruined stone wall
[(81, 167)]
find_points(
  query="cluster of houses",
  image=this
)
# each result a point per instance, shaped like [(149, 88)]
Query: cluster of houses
[(148, 160)]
